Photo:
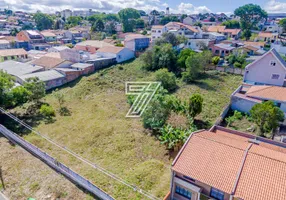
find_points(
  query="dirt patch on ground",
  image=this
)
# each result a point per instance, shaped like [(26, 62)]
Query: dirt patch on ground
[(25, 176)]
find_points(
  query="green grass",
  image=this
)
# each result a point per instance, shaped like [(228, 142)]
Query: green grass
[(98, 130)]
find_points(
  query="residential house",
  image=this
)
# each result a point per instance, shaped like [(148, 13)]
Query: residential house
[(74, 55), (246, 96), (215, 36), (189, 20), (279, 47), (270, 69), (51, 78), (35, 39), (120, 53), (85, 68), (51, 62), (207, 23), (252, 50), (225, 164), (221, 49), (18, 69), (36, 54), (137, 43), (57, 49), (267, 36), (66, 13), (70, 74), (53, 54), (232, 33), (157, 31), (217, 29), (190, 32), (13, 54), (255, 44), (5, 44), (49, 36), (100, 62), (91, 46)]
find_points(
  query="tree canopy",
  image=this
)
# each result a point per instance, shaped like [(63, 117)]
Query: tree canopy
[(167, 19), (195, 105), (267, 116), (232, 24), (128, 17), (43, 21), (98, 26), (282, 23), (250, 15)]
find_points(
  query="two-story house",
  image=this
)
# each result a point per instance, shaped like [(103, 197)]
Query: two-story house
[(157, 31), (35, 39), (225, 164), (270, 69)]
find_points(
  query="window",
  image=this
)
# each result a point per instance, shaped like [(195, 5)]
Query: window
[(272, 63), (217, 194), (159, 31), (183, 192), (119, 56), (275, 76)]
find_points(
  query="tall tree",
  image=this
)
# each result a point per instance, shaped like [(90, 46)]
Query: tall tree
[(250, 15), (36, 87), (98, 26), (43, 21), (195, 105), (231, 24), (127, 17)]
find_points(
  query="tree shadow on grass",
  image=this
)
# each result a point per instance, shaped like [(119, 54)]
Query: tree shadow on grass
[(202, 124)]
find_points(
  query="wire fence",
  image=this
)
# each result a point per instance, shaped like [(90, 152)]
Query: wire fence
[(56, 165)]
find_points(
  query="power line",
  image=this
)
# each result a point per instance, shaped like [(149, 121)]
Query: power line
[(101, 169)]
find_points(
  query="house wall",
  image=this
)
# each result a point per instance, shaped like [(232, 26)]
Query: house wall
[(64, 64), (279, 48), (241, 105), (51, 38), (5, 46), (54, 83), (71, 55), (130, 44), (188, 21), (283, 108), (205, 189), (141, 44), (22, 36), (90, 49), (124, 55), (261, 71), (4, 58)]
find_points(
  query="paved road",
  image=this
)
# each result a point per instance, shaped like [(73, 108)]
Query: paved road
[(2, 197)]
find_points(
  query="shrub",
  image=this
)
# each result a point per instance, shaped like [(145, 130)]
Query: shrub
[(195, 105), (215, 60), (174, 137), (237, 65), (167, 79), (47, 111), (236, 116)]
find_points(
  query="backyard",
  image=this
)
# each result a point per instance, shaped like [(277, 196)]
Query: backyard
[(96, 128)]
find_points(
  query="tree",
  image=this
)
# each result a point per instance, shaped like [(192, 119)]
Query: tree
[(73, 21), (36, 87), (169, 38), (98, 26), (194, 67), (250, 15), (212, 19), (215, 60), (267, 116), (47, 111), (246, 34), (167, 79), (183, 56), (232, 24), (199, 24), (20, 95), (43, 21), (127, 17), (282, 23), (14, 32), (195, 105), (6, 84), (154, 13), (167, 19), (160, 57), (183, 16), (140, 23)]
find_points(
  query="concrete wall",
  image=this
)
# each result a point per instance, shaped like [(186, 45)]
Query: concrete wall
[(279, 48), (261, 71), (241, 105)]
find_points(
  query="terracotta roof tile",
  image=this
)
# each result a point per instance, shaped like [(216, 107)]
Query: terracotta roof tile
[(216, 28), (110, 49), (267, 93), (12, 52), (48, 62)]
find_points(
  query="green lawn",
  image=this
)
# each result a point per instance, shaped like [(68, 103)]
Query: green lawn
[(98, 130)]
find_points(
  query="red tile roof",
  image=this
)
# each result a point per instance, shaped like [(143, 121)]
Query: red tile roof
[(229, 161), (267, 93)]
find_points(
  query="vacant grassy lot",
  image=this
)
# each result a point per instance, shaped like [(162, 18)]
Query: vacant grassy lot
[(98, 130)]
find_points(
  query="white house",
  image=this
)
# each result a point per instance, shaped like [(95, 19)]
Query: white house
[(157, 31), (57, 49), (120, 53), (270, 69), (5, 44)]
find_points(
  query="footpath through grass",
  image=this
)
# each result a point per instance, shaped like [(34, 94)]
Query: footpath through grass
[(98, 130)]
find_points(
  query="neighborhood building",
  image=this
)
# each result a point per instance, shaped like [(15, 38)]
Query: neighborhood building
[(13, 54), (157, 31), (226, 164), (91, 46), (48, 62), (270, 69), (137, 43), (221, 49), (58, 48), (120, 53), (52, 78), (5, 44), (49, 36), (246, 96)]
